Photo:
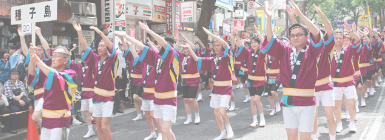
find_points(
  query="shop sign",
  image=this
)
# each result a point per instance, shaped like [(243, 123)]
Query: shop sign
[(188, 10), (239, 25), (169, 16), (159, 9), (159, 28), (159, 17), (107, 19), (139, 10), (226, 28)]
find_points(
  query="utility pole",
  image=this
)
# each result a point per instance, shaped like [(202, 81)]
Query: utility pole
[(287, 20)]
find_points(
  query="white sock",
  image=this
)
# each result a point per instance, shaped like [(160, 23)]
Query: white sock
[(261, 116), (200, 94), (90, 128), (159, 134), (254, 117), (368, 89), (232, 103), (140, 115), (223, 132), (247, 96), (347, 112), (196, 114), (189, 116), (332, 137), (351, 122), (153, 133)]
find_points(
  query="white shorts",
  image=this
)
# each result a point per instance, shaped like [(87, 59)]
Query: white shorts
[(326, 97), (39, 104), (301, 117), (147, 105), (103, 109), (349, 92), (52, 134), (218, 100), (165, 112), (86, 104)]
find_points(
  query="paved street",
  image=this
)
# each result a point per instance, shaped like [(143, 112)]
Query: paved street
[(370, 122)]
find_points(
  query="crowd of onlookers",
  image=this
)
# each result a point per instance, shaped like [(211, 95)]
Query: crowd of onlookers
[(13, 92)]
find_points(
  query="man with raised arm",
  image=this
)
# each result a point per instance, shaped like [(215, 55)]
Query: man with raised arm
[(36, 77), (105, 67), (59, 90), (324, 86), (298, 73)]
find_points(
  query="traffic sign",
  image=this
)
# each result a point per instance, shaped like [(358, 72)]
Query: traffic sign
[(26, 28), (250, 4), (238, 12), (278, 28)]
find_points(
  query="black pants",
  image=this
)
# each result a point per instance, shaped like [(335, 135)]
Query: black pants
[(119, 84), (14, 118), (7, 121)]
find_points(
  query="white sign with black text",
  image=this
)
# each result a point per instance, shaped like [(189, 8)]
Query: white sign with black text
[(36, 12)]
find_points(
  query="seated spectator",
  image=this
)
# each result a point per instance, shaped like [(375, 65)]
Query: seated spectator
[(17, 96), (4, 110), (5, 65)]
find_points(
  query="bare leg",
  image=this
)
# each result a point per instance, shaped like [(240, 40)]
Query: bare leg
[(187, 106), (137, 103), (352, 110), (149, 117), (87, 115), (257, 100), (218, 119), (337, 110), (330, 119), (304, 135), (159, 123), (167, 132), (253, 105), (292, 134), (224, 115), (245, 89), (194, 104), (232, 97), (106, 128), (271, 101), (315, 126), (99, 129)]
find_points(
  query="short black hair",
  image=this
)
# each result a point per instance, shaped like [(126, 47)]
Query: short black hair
[(2, 52), (256, 39), (102, 27), (15, 47), (170, 40), (296, 25)]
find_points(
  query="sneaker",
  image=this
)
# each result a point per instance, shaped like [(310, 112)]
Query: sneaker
[(379, 79), (138, 117), (188, 121), (159, 137), (363, 103), (241, 85), (152, 136), (372, 91), (347, 116), (76, 122), (366, 95), (246, 100), (254, 124), (352, 127), (197, 119), (236, 86), (222, 136), (229, 131), (199, 98), (339, 127), (272, 112), (262, 122), (89, 134), (376, 84)]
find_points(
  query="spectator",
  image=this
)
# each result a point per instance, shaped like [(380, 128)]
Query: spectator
[(16, 94), (16, 53), (96, 41), (4, 110), (5, 66)]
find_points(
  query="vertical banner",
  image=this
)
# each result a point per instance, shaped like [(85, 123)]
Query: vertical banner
[(132, 32), (169, 17), (261, 20), (119, 18), (107, 19)]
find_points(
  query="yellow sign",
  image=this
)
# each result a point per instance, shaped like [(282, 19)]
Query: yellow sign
[(160, 17), (363, 20), (261, 19), (278, 28)]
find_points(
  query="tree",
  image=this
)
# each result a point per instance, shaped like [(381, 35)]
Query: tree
[(204, 20), (375, 6)]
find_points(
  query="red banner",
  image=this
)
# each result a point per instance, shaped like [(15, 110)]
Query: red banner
[(169, 16)]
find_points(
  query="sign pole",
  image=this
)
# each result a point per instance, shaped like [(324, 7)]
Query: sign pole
[(33, 34)]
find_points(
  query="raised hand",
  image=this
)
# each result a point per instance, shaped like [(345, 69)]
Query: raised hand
[(32, 50), (76, 26), (207, 31), (120, 33), (37, 30), (231, 35), (144, 26), (347, 27), (236, 32), (319, 12), (290, 11), (34, 58), (295, 7), (21, 34), (354, 27), (95, 29), (267, 10)]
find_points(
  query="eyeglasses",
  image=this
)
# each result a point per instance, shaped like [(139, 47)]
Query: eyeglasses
[(297, 35), (56, 56)]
